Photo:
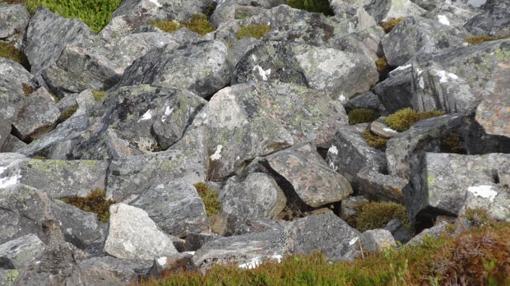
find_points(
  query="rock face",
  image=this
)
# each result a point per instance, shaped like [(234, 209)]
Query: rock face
[(13, 22), (133, 235)]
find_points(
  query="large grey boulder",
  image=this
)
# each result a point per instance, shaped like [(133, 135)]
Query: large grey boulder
[(20, 252), (257, 196), (201, 68), (337, 72), (133, 235), (416, 35), (13, 22), (326, 233), (311, 178), (175, 207), (447, 186), (263, 118)]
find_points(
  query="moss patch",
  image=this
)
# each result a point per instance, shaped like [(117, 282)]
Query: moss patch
[(198, 24), (377, 214), (99, 95), (405, 118), (256, 31), (94, 202), (318, 6), (374, 140), (390, 24), (10, 52), (476, 40), (210, 198), (362, 115), (166, 25), (27, 89)]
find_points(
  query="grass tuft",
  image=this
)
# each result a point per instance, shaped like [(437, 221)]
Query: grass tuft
[(199, 24), (318, 6), (95, 13), (256, 31), (390, 24), (374, 140), (210, 198), (166, 25), (362, 115), (94, 202), (405, 118), (377, 214)]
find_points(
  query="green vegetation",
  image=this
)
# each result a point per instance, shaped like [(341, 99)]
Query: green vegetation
[(198, 24), (405, 118), (382, 65), (10, 52), (390, 24), (475, 40), (362, 115), (210, 198), (67, 113), (319, 6), (95, 13), (374, 140), (256, 31), (377, 214), (480, 256), (94, 202), (99, 95)]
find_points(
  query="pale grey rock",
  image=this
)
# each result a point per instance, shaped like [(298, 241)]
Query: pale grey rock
[(376, 240), (20, 252), (13, 22)]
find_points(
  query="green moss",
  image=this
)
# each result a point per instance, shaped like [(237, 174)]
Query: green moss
[(405, 118), (476, 40), (95, 13), (94, 202), (210, 198), (319, 6), (374, 140), (256, 31), (475, 256), (99, 95), (10, 52), (67, 113), (166, 25), (362, 115), (390, 24), (382, 64), (199, 24), (377, 214)]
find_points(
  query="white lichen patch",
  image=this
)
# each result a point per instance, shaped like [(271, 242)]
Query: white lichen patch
[(264, 74), (9, 181), (333, 150), (217, 153), (443, 20), (156, 3), (146, 116), (161, 261), (168, 111), (353, 241), (445, 76), (251, 264), (401, 68), (389, 130), (342, 98), (483, 191)]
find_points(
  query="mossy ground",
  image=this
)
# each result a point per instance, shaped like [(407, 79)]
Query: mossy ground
[(374, 140), (95, 13), (319, 6), (10, 52), (94, 202), (405, 118), (362, 115), (210, 198), (256, 31), (390, 24), (479, 256), (377, 214), (198, 23)]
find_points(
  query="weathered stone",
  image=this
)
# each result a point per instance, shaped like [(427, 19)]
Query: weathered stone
[(20, 252), (351, 206), (133, 235), (376, 240), (12, 144), (313, 181), (494, 20), (365, 100), (381, 129), (201, 68), (178, 262), (432, 232), (257, 196), (13, 22), (388, 9), (396, 91), (175, 207)]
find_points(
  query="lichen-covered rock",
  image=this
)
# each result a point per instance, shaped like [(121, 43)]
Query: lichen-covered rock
[(133, 235), (376, 240), (263, 118), (493, 20), (388, 9), (201, 68), (257, 196), (38, 115), (446, 186), (175, 207), (20, 252), (13, 22), (334, 71), (311, 178)]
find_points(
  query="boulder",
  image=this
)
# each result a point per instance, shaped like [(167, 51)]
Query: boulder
[(396, 91), (20, 252), (257, 196), (388, 9), (201, 68), (133, 235), (13, 22), (376, 240), (175, 207), (311, 178), (493, 20)]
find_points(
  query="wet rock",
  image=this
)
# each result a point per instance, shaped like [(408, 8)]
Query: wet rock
[(313, 181), (133, 235)]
